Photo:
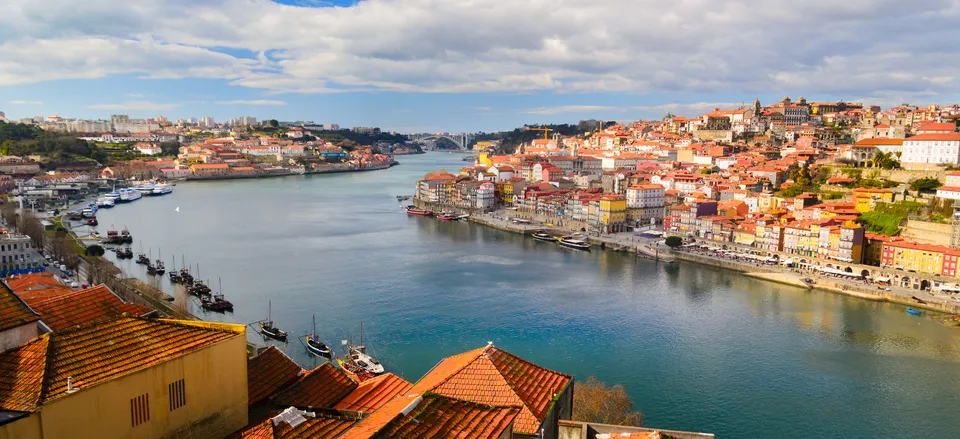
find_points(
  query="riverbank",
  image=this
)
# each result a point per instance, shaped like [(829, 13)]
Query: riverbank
[(762, 272), (378, 167)]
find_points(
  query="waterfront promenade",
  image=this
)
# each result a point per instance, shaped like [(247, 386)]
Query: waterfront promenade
[(631, 241)]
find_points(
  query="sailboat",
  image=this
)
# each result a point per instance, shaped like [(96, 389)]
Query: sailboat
[(266, 326), (357, 356), (160, 268), (314, 345), (218, 303)]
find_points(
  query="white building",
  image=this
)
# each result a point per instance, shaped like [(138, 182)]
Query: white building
[(934, 149), (15, 254), (149, 149), (951, 189), (647, 200), (485, 196)]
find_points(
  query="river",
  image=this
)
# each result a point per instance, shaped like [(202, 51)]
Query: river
[(697, 348)]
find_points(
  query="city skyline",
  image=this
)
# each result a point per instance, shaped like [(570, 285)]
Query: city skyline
[(416, 65)]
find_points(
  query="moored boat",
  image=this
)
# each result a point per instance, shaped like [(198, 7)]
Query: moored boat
[(912, 311), (543, 236), (125, 236), (105, 202), (92, 221), (129, 195), (268, 329), (161, 189), (445, 216), (313, 343), (357, 356), (570, 242), (411, 210)]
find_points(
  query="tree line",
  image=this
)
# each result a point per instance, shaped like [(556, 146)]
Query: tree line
[(60, 246), (24, 140)]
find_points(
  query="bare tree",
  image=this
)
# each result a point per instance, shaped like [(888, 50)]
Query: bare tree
[(593, 401), (9, 212), (34, 229)]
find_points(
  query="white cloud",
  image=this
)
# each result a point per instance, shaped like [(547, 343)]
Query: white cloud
[(251, 102), (135, 106), (564, 46), (25, 102)]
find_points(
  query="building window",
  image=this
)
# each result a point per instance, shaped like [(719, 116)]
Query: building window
[(178, 395), (140, 409)]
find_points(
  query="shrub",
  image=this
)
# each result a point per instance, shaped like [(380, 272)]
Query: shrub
[(673, 241)]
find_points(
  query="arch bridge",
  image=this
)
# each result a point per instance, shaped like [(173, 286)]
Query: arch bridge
[(462, 140)]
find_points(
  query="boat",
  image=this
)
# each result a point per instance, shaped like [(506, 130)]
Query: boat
[(314, 345), (124, 253), (105, 202), (570, 242), (445, 216), (919, 300), (88, 213), (143, 259), (174, 273), (199, 288), (543, 236), (112, 196), (112, 237), (161, 189), (92, 221), (129, 195), (267, 328), (403, 198), (357, 356), (218, 303), (411, 210), (125, 236), (462, 217), (912, 311)]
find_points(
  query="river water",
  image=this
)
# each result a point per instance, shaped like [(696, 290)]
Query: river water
[(697, 348)]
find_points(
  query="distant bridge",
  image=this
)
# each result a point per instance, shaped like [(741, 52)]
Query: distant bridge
[(462, 140)]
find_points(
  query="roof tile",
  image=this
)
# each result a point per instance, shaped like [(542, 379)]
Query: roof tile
[(81, 307), (440, 417), (374, 393), (21, 375), (13, 312), (268, 372), (323, 386)]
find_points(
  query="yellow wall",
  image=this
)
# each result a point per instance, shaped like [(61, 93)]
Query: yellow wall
[(484, 159), (216, 399), (913, 259), (613, 211), (26, 428)]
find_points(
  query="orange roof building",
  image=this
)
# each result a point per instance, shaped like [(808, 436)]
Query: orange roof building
[(268, 372), (82, 307), (110, 374), (18, 323), (373, 393), (323, 386)]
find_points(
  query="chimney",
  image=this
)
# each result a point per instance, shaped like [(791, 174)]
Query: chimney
[(70, 388)]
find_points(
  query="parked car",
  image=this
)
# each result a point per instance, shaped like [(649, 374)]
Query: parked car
[(63, 268), (74, 284)]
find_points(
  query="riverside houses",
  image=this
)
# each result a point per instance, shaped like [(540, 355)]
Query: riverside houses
[(16, 256), (210, 170)]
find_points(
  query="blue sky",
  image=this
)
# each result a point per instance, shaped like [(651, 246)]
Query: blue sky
[(454, 65)]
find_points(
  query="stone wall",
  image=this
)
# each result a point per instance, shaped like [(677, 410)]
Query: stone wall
[(927, 232)]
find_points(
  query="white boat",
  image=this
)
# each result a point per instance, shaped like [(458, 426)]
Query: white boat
[(358, 357), (161, 189), (575, 244), (128, 195), (113, 196), (145, 188), (106, 202)]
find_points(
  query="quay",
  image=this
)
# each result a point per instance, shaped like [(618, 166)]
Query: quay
[(631, 244)]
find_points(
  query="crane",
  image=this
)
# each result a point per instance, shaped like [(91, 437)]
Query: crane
[(546, 131)]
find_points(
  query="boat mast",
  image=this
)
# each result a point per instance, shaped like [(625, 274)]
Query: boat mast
[(269, 312), (314, 326), (361, 336)]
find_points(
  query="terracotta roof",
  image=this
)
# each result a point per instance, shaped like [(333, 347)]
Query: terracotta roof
[(95, 354), (13, 312), (32, 281), (434, 416), (78, 308), (31, 297), (374, 393), (934, 136), (21, 375), (268, 372), (323, 386), (320, 426), (494, 377)]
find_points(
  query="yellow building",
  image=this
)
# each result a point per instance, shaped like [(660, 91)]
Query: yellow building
[(484, 159), (912, 256), (613, 212), (127, 378), (866, 199)]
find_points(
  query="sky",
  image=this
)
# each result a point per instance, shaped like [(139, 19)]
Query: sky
[(467, 65)]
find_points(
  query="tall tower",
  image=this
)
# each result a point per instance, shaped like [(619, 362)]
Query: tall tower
[(955, 238)]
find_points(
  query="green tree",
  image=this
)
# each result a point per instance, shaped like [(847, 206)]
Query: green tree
[(170, 148), (926, 184), (673, 241), (95, 250), (594, 402), (273, 123)]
